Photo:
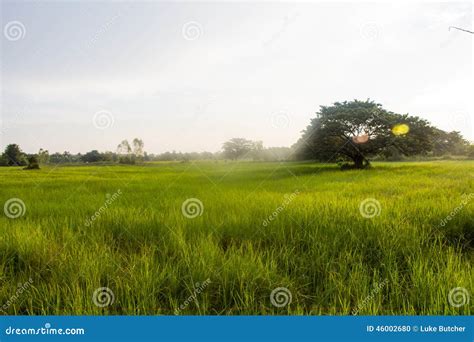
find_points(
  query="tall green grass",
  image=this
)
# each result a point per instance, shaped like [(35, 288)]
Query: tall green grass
[(317, 245)]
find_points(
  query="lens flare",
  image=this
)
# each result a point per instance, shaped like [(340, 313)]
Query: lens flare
[(360, 139), (400, 129)]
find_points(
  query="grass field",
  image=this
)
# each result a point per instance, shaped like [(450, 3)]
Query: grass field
[(295, 229)]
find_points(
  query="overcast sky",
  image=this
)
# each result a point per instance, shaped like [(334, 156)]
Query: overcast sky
[(188, 76)]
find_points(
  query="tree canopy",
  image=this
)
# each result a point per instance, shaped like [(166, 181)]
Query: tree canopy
[(14, 156), (237, 148), (359, 130)]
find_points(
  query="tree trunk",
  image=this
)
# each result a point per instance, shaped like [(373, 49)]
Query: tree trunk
[(359, 162)]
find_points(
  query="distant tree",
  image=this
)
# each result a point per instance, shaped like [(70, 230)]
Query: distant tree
[(171, 156), (256, 152), (470, 151), (124, 147), (451, 143), (359, 130), (109, 156), (14, 156), (43, 156), (138, 147), (92, 157), (237, 148), (124, 151), (58, 158), (67, 156)]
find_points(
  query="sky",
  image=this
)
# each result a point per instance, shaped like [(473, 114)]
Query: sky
[(77, 76)]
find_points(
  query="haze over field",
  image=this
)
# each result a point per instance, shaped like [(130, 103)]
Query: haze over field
[(191, 76)]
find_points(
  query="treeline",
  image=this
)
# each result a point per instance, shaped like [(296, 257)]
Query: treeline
[(444, 144), (132, 153)]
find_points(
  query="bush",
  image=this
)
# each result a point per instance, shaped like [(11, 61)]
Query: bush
[(128, 159), (32, 163)]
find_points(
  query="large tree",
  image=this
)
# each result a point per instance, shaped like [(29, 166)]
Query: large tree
[(138, 146), (14, 156), (43, 156), (125, 153), (237, 148), (359, 130), (124, 148)]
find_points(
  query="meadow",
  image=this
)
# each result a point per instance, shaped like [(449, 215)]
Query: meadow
[(238, 238)]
